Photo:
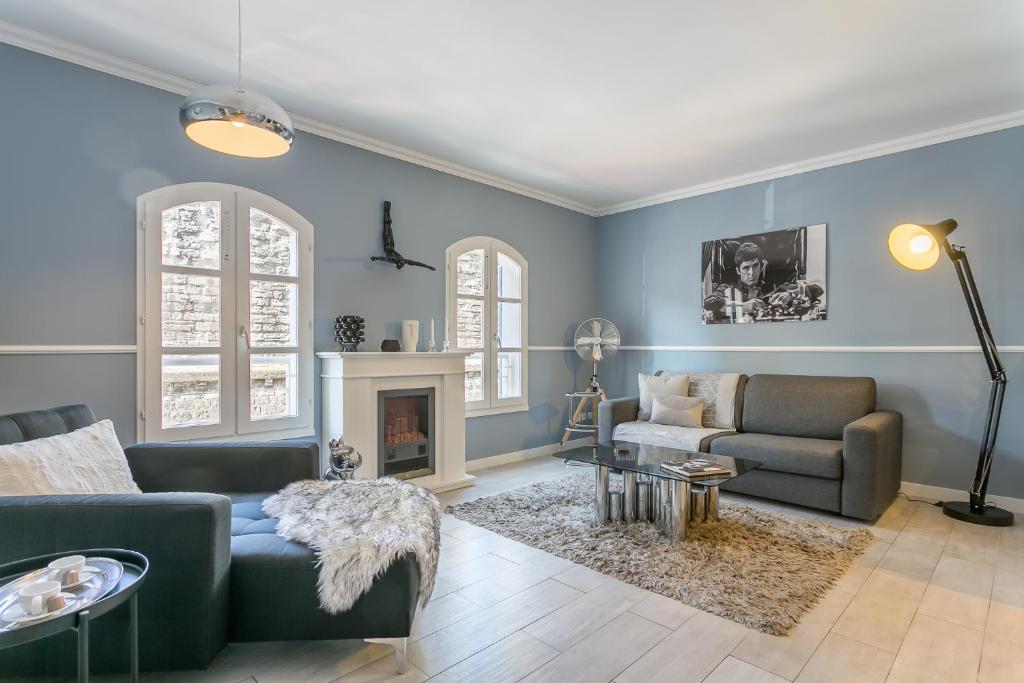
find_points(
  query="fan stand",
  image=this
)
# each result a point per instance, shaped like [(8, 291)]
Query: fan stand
[(593, 394)]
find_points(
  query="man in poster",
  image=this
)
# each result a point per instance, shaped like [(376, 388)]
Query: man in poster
[(760, 293)]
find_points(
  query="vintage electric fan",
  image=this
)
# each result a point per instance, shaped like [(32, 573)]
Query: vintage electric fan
[(595, 340)]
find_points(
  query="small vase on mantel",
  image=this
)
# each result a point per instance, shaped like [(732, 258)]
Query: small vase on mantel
[(410, 335), (431, 344)]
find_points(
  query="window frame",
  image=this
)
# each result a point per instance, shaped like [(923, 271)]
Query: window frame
[(234, 351), (491, 246)]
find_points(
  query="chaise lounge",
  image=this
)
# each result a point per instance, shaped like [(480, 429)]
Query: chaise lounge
[(218, 571)]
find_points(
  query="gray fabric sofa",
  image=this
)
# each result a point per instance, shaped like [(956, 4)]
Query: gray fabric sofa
[(821, 441), (218, 571)]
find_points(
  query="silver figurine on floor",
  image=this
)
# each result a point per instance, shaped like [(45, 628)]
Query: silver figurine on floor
[(343, 461)]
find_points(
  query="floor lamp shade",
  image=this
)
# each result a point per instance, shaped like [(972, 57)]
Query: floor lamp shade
[(917, 246), (913, 247)]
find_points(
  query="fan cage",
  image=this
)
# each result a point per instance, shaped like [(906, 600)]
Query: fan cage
[(600, 328)]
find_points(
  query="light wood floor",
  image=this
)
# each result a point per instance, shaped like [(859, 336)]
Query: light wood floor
[(932, 600)]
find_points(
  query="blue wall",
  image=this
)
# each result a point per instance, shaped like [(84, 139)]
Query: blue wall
[(87, 144), (80, 146), (649, 284)]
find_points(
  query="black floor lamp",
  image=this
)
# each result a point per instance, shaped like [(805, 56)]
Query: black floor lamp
[(917, 247)]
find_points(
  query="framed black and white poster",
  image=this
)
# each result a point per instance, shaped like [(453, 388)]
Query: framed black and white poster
[(777, 276)]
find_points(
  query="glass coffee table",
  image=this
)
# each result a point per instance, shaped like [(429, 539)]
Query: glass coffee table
[(649, 493)]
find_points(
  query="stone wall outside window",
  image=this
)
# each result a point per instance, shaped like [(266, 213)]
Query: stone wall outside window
[(190, 311), (469, 319)]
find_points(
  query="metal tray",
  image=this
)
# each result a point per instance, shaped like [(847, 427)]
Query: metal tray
[(85, 593)]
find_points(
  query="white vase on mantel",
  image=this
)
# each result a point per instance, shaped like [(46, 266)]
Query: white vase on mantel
[(410, 335)]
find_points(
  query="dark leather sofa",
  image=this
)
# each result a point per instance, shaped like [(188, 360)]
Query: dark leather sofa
[(218, 571)]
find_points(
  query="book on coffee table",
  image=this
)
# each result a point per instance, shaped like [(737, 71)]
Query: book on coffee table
[(696, 468)]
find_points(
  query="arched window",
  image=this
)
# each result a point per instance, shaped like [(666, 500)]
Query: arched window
[(225, 315), (486, 313)]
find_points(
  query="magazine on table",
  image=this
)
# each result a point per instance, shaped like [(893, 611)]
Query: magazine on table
[(696, 468)]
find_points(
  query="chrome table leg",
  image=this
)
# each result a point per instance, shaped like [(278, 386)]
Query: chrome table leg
[(643, 502), (600, 494), (664, 519), (697, 504), (615, 506), (629, 496), (680, 510), (711, 514)]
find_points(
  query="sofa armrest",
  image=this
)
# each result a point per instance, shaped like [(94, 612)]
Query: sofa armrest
[(185, 536), (872, 463), (615, 411), (223, 466)]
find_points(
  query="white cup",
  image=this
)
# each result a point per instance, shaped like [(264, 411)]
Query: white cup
[(33, 598), (62, 566)]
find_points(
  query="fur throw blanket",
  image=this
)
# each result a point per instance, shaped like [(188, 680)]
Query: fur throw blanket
[(357, 529)]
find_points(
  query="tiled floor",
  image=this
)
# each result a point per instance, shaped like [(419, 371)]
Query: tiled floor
[(932, 600)]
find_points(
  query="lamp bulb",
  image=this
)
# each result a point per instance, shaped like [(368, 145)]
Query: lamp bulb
[(921, 244), (913, 246)]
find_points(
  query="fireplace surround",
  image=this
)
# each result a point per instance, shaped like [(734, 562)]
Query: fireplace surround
[(404, 412)]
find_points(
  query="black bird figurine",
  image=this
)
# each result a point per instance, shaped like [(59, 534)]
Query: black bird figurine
[(390, 254)]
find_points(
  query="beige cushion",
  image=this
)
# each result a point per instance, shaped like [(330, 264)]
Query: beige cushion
[(681, 411), (650, 385), (718, 389), (87, 460)]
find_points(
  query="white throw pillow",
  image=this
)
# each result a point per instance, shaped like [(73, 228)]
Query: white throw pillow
[(718, 389), (651, 385), (87, 460), (678, 411)]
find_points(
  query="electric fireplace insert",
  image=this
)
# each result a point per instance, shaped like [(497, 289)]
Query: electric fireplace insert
[(405, 432)]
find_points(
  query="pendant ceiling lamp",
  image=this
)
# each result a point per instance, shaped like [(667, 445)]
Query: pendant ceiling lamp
[(234, 121)]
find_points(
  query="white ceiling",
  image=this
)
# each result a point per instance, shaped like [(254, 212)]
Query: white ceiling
[(596, 102)]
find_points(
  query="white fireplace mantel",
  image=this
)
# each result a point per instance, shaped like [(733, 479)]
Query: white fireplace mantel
[(350, 382)]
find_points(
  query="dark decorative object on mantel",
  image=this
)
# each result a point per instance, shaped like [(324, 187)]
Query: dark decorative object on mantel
[(390, 254), (348, 331), (390, 345)]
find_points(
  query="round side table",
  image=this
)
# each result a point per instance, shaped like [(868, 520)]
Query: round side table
[(135, 567)]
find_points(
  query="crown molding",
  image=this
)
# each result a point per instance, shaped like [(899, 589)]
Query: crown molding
[(19, 36), (28, 39), (332, 132), (932, 137)]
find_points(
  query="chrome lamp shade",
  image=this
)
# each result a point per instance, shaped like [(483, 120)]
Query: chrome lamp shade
[(243, 123)]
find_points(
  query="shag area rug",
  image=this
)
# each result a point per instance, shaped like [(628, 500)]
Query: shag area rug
[(357, 529), (757, 568)]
